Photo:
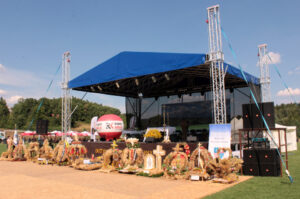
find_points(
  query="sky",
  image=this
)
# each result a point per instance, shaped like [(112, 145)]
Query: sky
[(34, 35)]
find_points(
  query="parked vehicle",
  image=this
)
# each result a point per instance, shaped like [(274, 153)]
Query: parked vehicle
[(2, 137)]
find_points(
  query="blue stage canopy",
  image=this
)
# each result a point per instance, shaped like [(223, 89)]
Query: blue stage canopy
[(129, 66)]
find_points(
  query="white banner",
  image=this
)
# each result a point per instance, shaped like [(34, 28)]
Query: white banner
[(219, 137)]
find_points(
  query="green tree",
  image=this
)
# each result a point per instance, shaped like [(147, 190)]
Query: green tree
[(4, 113)]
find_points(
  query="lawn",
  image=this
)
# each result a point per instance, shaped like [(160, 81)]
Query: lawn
[(2, 148), (267, 187)]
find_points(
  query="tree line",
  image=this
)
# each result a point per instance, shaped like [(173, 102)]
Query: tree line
[(25, 113)]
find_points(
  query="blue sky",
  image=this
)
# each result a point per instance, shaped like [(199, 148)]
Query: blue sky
[(34, 35)]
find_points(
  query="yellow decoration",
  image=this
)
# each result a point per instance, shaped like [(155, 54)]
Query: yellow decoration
[(153, 133)]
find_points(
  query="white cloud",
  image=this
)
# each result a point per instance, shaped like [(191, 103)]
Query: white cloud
[(2, 68), (18, 78), (287, 92), (13, 99), (295, 71), (271, 58), (2, 92)]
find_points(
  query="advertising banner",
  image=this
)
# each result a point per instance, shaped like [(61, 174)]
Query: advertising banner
[(219, 137)]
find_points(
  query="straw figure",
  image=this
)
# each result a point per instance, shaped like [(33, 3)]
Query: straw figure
[(132, 156), (8, 155), (46, 151), (176, 163), (199, 161), (32, 151), (60, 153), (225, 169), (19, 151), (76, 151), (112, 158)]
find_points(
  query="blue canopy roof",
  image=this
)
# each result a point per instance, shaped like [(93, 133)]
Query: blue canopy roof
[(137, 64)]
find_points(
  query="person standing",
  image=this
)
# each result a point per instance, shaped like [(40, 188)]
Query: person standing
[(184, 127)]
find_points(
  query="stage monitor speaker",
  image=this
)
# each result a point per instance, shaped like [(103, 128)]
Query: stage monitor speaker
[(42, 127), (252, 117), (251, 169)]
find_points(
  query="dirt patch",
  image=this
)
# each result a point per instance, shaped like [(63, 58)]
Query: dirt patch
[(20, 180)]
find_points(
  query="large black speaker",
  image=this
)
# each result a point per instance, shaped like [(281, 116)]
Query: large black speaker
[(261, 162), (267, 155), (251, 169), (250, 156), (42, 127), (252, 117), (269, 169)]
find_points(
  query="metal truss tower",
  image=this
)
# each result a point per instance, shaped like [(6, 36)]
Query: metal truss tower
[(66, 97), (216, 58), (265, 80)]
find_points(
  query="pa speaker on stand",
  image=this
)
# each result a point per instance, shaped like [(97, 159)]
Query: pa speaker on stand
[(42, 127)]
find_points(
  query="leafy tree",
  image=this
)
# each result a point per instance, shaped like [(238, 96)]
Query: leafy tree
[(4, 113), (288, 114)]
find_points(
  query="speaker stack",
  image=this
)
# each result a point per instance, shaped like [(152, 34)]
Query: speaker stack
[(261, 162), (252, 117), (42, 127)]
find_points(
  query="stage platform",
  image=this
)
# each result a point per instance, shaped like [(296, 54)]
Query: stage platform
[(98, 148)]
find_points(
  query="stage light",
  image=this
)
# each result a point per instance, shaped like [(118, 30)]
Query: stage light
[(136, 82), (167, 77), (153, 79), (117, 85), (140, 94), (99, 88), (92, 88)]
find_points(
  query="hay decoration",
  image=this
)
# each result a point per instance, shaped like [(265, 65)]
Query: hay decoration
[(224, 170), (46, 151), (8, 155), (32, 151), (112, 159), (176, 163), (132, 156), (199, 161), (19, 151), (75, 151), (60, 154)]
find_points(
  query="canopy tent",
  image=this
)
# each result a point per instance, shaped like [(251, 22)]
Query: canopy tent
[(150, 74)]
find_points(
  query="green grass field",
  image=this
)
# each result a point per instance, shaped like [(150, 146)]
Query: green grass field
[(260, 187), (2, 148)]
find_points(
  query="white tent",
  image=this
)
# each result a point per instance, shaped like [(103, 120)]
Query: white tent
[(291, 137)]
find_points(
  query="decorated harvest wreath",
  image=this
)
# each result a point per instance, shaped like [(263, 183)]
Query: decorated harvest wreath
[(132, 155), (112, 157), (179, 164), (8, 155), (175, 165), (32, 152)]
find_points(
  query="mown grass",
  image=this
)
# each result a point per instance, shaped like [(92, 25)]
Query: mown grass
[(2, 148), (267, 187)]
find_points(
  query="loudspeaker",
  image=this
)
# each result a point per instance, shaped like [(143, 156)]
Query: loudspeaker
[(42, 127), (269, 156), (269, 169), (250, 156), (252, 117), (269, 114), (251, 169)]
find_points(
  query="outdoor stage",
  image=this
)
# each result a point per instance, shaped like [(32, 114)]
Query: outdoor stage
[(98, 148)]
